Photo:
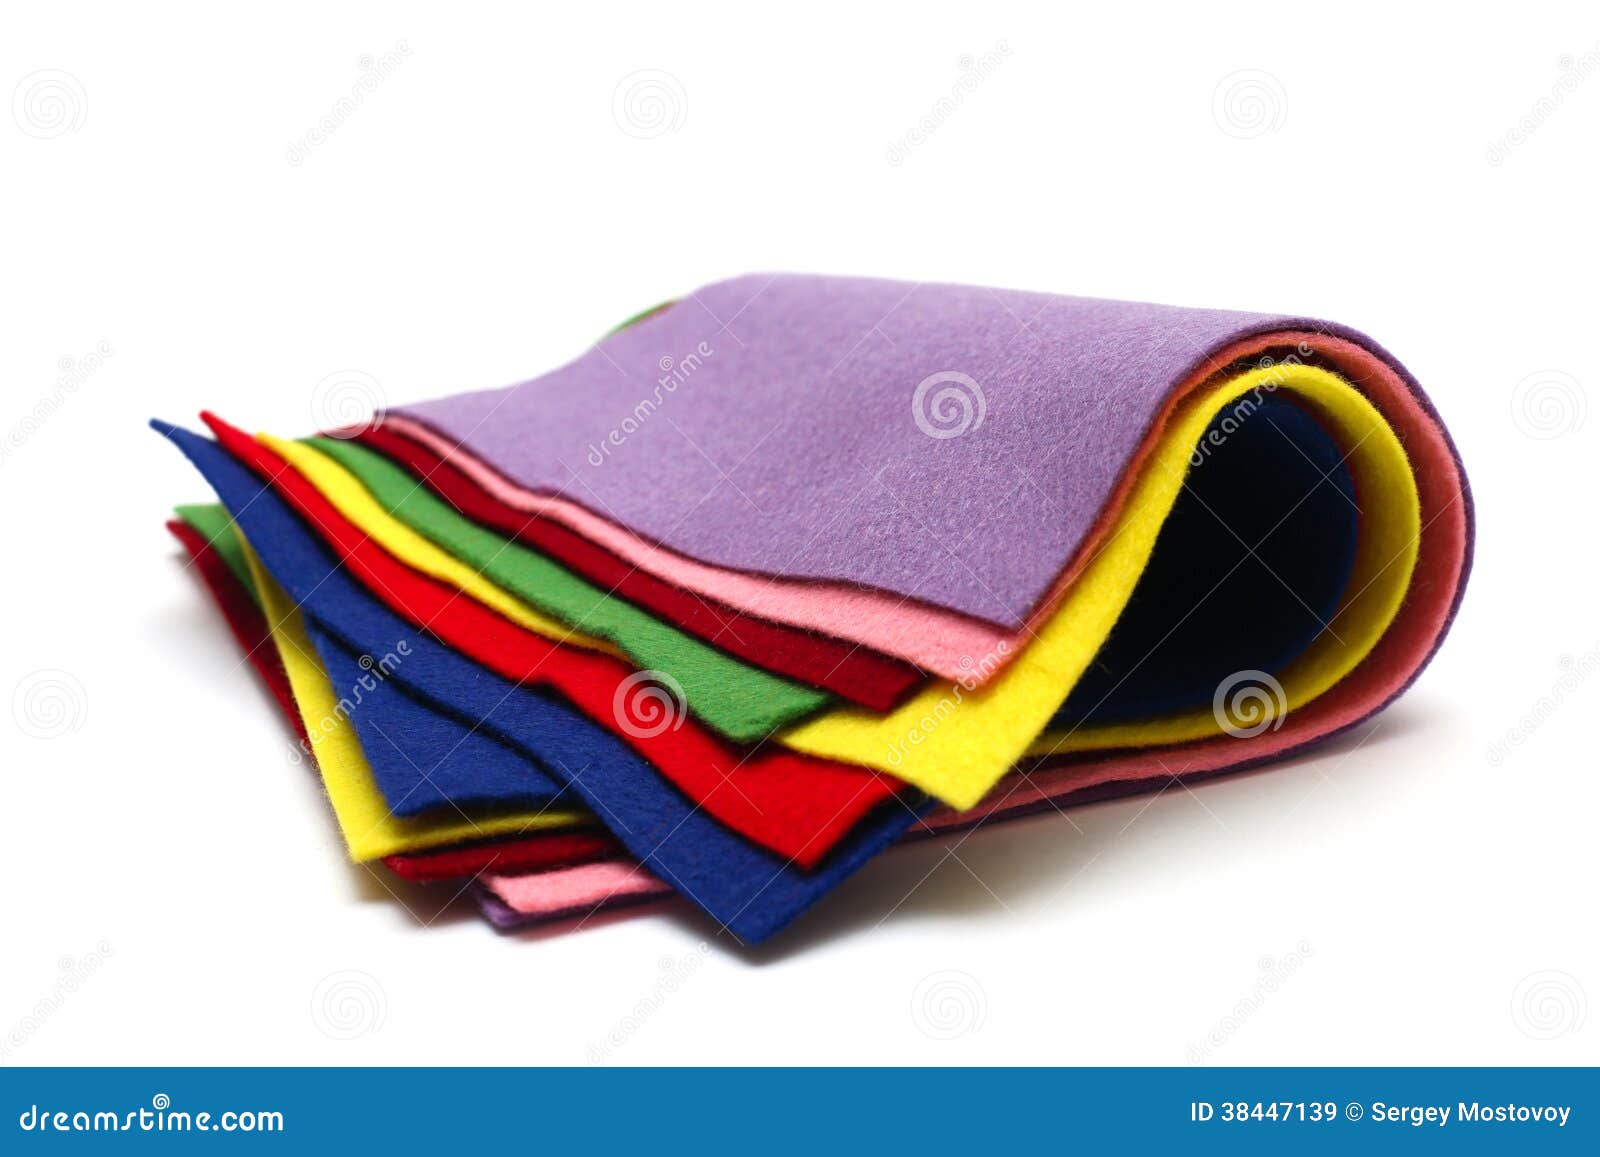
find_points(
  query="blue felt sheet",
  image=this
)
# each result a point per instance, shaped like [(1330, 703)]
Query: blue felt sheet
[(750, 891)]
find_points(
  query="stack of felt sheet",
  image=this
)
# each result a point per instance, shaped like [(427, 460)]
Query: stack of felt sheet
[(796, 568)]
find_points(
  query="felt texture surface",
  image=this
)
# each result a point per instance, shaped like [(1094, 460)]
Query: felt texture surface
[(924, 636), (538, 853), (797, 806), (739, 700), (1267, 524), (1443, 553), (370, 829), (861, 676), (955, 742), (423, 762), (1388, 534), (1143, 344), (212, 523), (826, 366), (749, 890), (541, 852), (231, 586), (419, 760), (1285, 445), (569, 891)]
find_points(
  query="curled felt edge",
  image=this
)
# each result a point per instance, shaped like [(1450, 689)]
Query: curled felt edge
[(937, 640), (956, 741), (1438, 584)]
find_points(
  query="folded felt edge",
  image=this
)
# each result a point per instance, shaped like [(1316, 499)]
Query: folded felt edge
[(939, 639)]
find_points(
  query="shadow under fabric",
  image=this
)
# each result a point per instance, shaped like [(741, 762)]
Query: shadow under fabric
[(748, 890), (516, 901), (1398, 631)]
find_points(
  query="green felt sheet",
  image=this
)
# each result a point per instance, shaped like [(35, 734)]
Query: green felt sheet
[(732, 697), (211, 520)]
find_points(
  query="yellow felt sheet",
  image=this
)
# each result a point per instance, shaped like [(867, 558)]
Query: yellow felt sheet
[(358, 504), (371, 831), (955, 741)]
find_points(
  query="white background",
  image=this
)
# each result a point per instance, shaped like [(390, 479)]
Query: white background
[(484, 215)]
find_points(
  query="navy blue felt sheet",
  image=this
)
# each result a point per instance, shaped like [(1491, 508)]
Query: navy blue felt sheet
[(750, 891)]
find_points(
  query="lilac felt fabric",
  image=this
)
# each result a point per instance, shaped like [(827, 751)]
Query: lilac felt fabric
[(781, 425)]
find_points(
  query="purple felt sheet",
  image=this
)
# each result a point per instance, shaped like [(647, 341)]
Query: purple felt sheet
[(947, 443)]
